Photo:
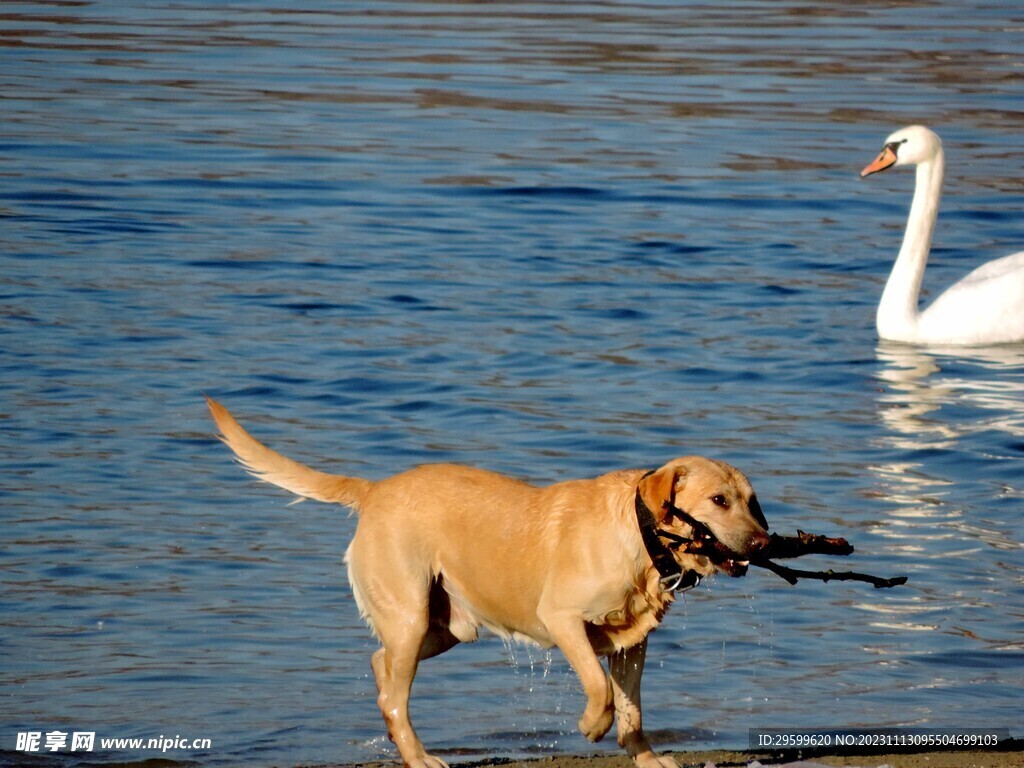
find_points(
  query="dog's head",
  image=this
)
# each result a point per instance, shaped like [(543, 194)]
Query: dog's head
[(717, 495)]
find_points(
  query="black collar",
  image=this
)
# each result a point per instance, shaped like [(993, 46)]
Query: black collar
[(672, 575)]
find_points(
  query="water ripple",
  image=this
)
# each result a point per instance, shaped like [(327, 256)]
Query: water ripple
[(548, 240)]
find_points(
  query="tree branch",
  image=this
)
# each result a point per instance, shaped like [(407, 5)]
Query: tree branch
[(785, 547), (792, 575)]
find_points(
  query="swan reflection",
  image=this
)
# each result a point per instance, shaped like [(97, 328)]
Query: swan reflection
[(946, 402), (921, 382)]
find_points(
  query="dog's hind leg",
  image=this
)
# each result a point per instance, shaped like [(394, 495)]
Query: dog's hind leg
[(626, 668), (438, 639), (409, 617), (394, 667)]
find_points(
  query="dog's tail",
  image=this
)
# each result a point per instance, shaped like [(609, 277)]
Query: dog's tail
[(271, 466)]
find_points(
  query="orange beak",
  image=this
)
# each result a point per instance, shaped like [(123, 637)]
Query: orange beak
[(883, 161)]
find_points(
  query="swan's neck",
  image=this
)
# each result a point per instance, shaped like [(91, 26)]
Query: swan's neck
[(897, 312)]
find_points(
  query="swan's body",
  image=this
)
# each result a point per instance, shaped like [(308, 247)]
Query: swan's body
[(986, 307)]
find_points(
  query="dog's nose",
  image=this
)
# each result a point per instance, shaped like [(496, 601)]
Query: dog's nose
[(758, 543)]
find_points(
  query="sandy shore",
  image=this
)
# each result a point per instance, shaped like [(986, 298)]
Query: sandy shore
[(1010, 754)]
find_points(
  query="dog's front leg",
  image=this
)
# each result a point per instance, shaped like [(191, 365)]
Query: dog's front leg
[(569, 632), (627, 667)]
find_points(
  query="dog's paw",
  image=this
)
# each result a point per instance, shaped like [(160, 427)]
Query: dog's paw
[(649, 759), (594, 727)]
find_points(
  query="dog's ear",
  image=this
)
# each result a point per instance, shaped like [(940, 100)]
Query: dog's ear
[(659, 488)]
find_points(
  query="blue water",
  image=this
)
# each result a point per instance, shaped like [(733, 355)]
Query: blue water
[(546, 239)]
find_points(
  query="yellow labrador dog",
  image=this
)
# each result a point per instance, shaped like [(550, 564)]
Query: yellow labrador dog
[(443, 550)]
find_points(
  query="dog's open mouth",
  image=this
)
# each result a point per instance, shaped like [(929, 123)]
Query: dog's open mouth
[(734, 568), (716, 558), (722, 558)]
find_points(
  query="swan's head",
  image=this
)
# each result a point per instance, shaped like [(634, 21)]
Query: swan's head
[(912, 145)]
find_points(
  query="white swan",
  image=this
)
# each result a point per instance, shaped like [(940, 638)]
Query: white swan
[(986, 307)]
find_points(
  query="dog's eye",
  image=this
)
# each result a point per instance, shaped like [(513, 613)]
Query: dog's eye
[(720, 501)]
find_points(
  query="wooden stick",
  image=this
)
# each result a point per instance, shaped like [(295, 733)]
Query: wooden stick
[(784, 547), (792, 575)]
